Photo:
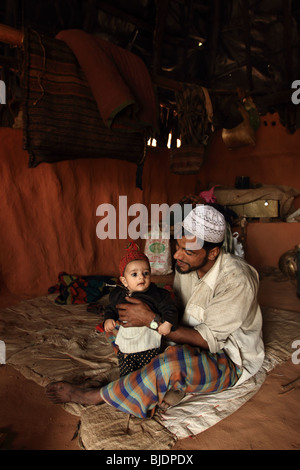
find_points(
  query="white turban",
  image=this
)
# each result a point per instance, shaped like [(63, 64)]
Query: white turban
[(206, 223)]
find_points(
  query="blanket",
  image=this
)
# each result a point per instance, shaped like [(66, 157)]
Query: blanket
[(61, 119), (48, 342), (119, 81), (75, 289)]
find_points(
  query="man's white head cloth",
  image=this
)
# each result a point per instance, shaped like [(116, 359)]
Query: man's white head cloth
[(206, 223)]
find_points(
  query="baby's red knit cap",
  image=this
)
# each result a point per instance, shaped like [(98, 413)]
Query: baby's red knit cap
[(133, 253)]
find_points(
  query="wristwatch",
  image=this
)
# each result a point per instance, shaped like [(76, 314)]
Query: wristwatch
[(155, 322)]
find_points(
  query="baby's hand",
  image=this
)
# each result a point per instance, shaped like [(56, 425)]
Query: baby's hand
[(109, 325), (165, 328)]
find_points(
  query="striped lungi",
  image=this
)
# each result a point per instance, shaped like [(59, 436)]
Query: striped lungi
[(184, 368)]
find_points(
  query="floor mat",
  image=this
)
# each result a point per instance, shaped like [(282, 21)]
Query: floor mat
[(48, 342)]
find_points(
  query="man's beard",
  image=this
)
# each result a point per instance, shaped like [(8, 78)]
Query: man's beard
[(192, 268)]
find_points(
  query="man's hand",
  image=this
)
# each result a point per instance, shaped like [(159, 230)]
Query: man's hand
[(135, 313)]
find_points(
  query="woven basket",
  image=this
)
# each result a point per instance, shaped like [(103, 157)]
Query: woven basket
[(187, 160)]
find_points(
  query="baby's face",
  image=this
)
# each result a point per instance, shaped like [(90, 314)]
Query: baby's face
[(136, 276)]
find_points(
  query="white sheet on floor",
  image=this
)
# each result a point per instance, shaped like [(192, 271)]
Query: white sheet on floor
[(48, 342), (195, 413)]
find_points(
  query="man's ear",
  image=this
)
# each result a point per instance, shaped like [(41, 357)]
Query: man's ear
[(214, 253), (123, 280)]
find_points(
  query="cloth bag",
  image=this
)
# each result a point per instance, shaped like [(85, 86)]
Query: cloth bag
[(158, 250)]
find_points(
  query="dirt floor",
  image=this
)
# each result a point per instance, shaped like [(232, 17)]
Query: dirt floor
[(270, 420)]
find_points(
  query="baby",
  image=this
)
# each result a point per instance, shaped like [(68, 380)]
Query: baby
[(138, 345)]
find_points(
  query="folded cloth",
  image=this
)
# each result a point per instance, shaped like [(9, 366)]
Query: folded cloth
[(119, 81)]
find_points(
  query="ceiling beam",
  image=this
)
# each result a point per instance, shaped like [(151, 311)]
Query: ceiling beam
[(287, 39), (290, 109), (214, 38), (90, 16), (247, 35), (158, 37), (186, 27), (111, 10)]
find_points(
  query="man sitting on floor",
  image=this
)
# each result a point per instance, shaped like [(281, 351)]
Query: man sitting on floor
[(219, 342)]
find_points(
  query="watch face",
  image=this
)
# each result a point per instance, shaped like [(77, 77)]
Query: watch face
[(154, 325)]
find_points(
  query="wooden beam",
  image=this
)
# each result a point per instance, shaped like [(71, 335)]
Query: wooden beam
[(214, 36), (186, 27), (167, 83), (140, 24), (271, 99), (290, 109), (111, 10), (196, 6), (176, 85), (279, 97), (246, 21), (287, 39), (158, 37), (90, 19)]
